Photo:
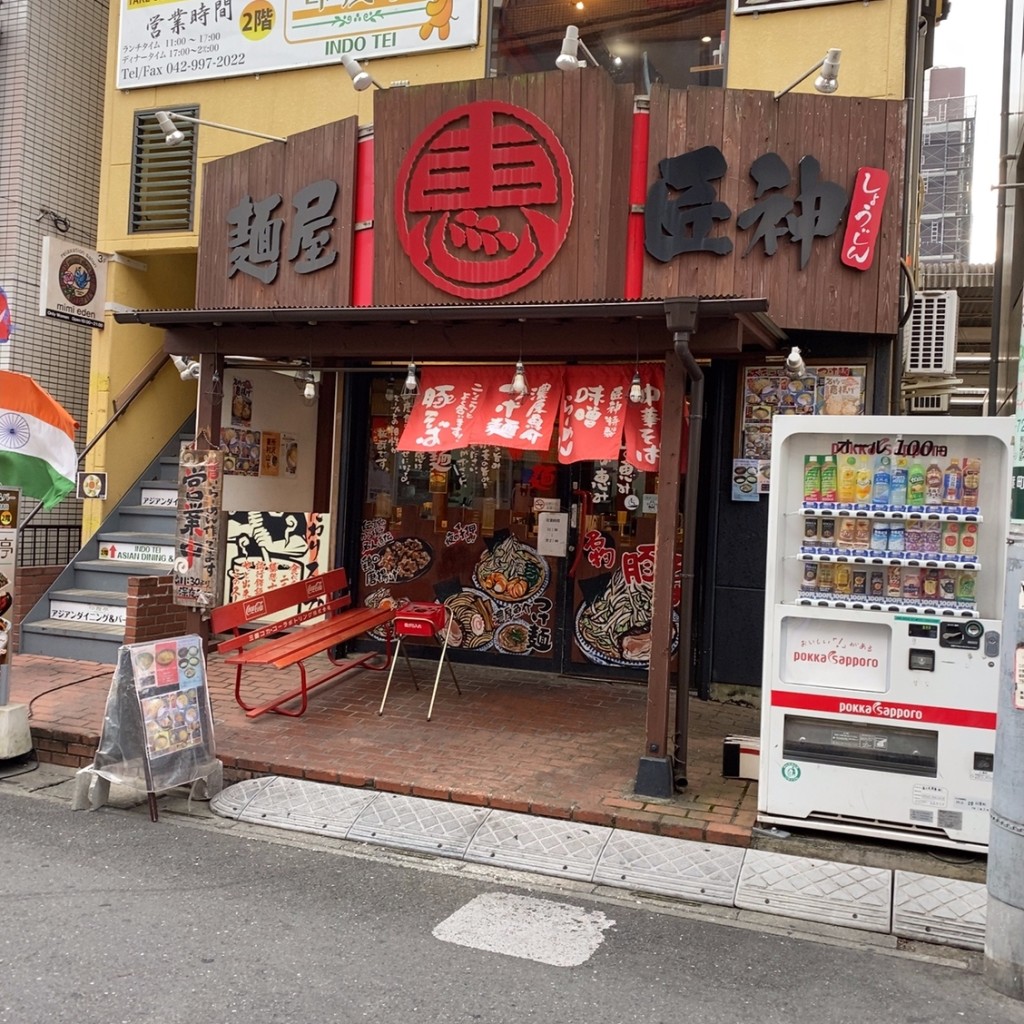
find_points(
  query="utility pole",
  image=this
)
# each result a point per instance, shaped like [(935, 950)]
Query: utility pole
[(1004, 929), (1004, 925)]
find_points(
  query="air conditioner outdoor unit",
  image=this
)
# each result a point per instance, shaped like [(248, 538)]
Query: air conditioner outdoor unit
[(929, 336)]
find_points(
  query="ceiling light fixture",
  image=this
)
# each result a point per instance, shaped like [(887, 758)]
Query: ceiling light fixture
[(174, 136), (519, 386), (827, 82), (636, 388), (411, 385)]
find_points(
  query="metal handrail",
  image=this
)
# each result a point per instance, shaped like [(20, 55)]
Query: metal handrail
[(121, 405)]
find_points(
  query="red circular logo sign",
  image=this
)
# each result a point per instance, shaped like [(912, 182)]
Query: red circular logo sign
[(484, 200)]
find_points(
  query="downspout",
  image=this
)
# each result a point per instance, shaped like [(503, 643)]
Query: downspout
[(911, 206), (996, 345), (681, 342)]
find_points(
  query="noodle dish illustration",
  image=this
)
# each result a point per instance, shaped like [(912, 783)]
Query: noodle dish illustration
[(614, 628), (511, 571)]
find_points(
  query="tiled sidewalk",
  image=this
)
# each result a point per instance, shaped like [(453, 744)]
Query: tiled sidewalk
[(522, 742)]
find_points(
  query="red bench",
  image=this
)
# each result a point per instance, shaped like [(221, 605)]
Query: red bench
[(265, 645)]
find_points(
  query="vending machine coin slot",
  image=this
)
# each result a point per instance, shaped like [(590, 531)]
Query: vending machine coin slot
[(961, 636)]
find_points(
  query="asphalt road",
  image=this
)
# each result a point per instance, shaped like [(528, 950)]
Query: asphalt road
[(107, 917)]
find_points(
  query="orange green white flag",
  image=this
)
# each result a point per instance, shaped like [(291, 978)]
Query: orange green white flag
[(37, 446)]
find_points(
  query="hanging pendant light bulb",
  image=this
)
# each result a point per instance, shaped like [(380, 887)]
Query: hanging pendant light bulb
[(309, 391), (636, 388), (389, 390), (519, 385), (411, 386)]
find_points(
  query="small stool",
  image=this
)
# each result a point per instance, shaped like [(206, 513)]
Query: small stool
[(422, 620)]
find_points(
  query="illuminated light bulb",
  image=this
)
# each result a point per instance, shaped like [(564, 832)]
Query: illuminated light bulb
[(411, 387), (636, 388), (519, 386), (309, 391)]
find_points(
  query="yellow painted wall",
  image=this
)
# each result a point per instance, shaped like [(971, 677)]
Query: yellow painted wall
[(770, 50), (281, 103)]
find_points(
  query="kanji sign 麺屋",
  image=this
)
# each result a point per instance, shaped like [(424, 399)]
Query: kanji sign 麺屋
[(484, 200)]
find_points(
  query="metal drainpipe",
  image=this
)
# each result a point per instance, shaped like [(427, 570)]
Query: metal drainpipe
[(911, 175), (1005, 156), (682, 346)]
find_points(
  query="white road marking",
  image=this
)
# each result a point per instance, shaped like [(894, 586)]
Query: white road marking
[(558, 934)]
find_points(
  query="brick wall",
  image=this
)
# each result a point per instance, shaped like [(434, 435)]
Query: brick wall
[(152, 613), (30, 584)]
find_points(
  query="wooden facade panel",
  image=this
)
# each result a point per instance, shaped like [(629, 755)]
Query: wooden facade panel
[(842, 134), (582, 112), (281, 169)]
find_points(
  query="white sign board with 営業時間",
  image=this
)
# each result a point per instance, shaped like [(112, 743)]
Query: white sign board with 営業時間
[(165, 41)]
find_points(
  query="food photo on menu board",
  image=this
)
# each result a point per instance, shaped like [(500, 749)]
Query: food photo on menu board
[(169, 675), (770, 391)]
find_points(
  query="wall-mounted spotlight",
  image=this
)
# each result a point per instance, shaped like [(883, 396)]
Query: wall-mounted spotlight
[(361, 78), (187, 367), (795, 365), (826, 82), (568, 59), (173, 136)]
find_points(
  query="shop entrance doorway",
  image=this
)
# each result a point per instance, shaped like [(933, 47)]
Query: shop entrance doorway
[(542, 566)]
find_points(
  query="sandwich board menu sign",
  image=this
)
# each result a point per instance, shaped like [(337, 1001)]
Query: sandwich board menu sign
[(158, 725)]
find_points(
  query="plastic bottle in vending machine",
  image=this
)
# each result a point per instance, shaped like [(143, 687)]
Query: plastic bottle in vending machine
[(863, 480), (952, 484), (829, 479), (881, 480), (933, 484), (848, 480), (972, 480), (915, 484), (898, 485)]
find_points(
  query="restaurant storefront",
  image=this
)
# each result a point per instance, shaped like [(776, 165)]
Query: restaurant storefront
[(519, 301)]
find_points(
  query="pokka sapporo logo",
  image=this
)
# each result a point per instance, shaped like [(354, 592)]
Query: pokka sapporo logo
[(484, 200), (77, 279)]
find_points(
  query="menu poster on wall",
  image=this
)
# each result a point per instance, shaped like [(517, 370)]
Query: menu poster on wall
[(197, 572), (841, 390), (770, 391)]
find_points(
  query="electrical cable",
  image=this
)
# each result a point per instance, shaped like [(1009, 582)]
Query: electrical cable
[(54, 689)]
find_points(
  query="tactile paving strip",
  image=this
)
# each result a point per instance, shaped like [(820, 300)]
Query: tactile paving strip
[(231, 802), (849, 895), (944, 910), (417, 824), (304, 806), (545, 845), (674, 867)]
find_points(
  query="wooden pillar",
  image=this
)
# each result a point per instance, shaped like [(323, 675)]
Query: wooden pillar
[(654, 774)]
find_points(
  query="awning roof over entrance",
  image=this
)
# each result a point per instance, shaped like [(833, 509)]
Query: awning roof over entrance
[(725, 326)]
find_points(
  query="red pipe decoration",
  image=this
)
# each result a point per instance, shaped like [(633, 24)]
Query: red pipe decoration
[(637, 197), (362, 236)]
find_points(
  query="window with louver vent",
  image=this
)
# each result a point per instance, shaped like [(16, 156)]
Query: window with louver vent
[(163, 176)]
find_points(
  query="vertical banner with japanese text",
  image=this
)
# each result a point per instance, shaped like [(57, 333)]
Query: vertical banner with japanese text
[(593, 413), (197, 575)]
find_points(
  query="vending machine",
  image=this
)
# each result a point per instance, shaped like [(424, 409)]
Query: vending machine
[(884, 597)]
